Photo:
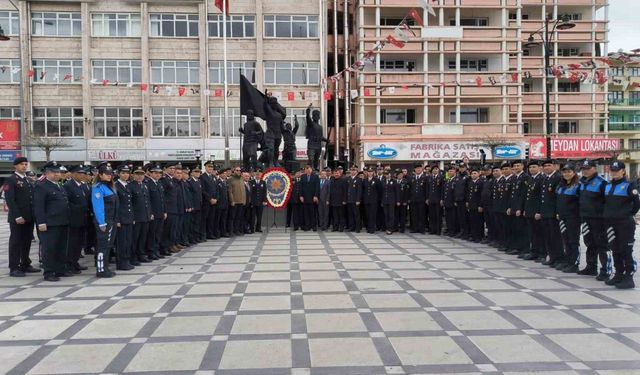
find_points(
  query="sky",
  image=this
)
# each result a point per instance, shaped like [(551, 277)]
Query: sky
[(624, 25)]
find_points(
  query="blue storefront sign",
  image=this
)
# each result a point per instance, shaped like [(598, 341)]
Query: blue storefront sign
[(507, 152), (9, 155), (382, 152)]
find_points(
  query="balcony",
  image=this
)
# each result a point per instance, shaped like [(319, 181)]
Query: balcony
[(624, 102), (624, 126)]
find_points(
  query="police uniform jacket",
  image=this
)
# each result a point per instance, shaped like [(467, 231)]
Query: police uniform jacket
[(403, 188), (170, 194), (338, 192), (497, 194), (125, 206), (181, 199), (532, 200), (461, 187), (447, 195), (592, 196), (78, 203), (621, 199), (418, 188), (156, 198), (141, 202), (474, 194), (195, 186), (18, 193), (223, 194), (487, 192), (518, 192), (258, 192), (568, 200), (436, 189), (354, 189), (389, 191), (548, 195), (296, 191), (209, 187), (105, 204), (50, 204), (371, 191)]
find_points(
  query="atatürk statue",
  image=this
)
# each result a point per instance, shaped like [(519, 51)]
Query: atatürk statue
[(275, 115), (252, 135), (289, 136), (314, 137)]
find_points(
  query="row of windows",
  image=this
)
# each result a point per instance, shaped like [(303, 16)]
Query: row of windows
[(620, 72), (163, 71), (162, 25)]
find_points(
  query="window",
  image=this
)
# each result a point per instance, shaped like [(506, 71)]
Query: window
[(164, 71), (392, 21), (616, 72), (291, 73), (470, 115), (634, 72), (57, 71), (568, 52), (480, 65), (9, 21), (117, 122), (634, 144), (174, 25), (568, 86), (615, 97), (9, 71), (569, 17), (56, 24), (397, 116), (117, 71), (634, 97), (526, 87), (291, 26), (567, 127), (526, 51), (238, 26), (217, 124), (514, 16), (8, 113), (58, 122), (526, 128), (115, 24), (470, 22), (614, 118), (302, 119), (398, 65), (234, 69), (175, 122)]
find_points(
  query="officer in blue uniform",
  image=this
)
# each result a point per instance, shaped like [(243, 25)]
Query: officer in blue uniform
[(621, 205), (568, 211), (124, 236), (222, 205), (79, 202), (389, 200), (142, 215), (51, 208), (104, 201), (158, 210), (460, 191), (592, 200), (371, 200), (18, 194)]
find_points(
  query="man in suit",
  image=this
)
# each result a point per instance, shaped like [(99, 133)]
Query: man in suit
[(209, 184), (247, 214), (258, 200), (51, 209), (159, 211), (354, 197), (295, 201), (310, 193), (338, 200), (323, 199), (417, 200), (371, 190), (79, 200), (18, 194)]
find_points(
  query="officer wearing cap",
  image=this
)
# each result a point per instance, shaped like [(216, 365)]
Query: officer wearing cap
[(338, 200), (169, 233), (258, 200), (448, 202), (51, 209), (403, 200), (194, 184), (90, 229), (496, 206), (354, 198), (18, 194), (460, 191), (418, 199), (184, 206), (568, 211), (158, 210), (389, 200), (473, 205), (142, 215), (519, 231), (548, 211), (531, 208), (79, 202), (503, 204), (620, 207), (209, 184), (222, 206), (486, 203), (592, 198), (371, 193), (124, 232), (434, 198)]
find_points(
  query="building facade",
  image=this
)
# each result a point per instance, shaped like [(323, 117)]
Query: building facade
[(624, 113), (144, 80)]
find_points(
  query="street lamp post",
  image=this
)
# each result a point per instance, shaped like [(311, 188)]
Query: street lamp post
[(560, 24)]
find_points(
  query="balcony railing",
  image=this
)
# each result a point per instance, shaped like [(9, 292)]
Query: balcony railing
[(624, 126), (624, 102)]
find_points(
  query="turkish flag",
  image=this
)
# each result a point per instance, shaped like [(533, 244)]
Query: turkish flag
[(217, 93), (367, 92), (416, 17), (181, 91), (9, 134), (395, 41), (220, 4), (291, 96), (143, 87), (327, 95)]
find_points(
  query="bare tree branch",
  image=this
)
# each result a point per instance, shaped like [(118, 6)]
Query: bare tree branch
[(46, 144)]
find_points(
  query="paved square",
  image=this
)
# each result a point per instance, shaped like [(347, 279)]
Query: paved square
[(320, 303)]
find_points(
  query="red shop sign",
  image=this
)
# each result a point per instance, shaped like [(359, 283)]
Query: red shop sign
[(573, 148), (9, 135)]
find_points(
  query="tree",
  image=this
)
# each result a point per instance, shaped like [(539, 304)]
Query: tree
[(492, 142), (46, 144)]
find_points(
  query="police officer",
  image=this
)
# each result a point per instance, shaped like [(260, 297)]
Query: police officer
[(158, 210), (504, 205), (460, 191), (142, 215), (295, 202), (568, 211), (354, 198), (169, 233), (474, 206), (448, 202), (486, 203), (18, 194), (51, 209), (519, 233), (371, 189), (310, 193), (418, 200), (104, 202), (209, 184), (389, 200), (195, 187), (222, 209), (497, 204), (531, 213), (434, 199), (258, 200), (78, 216), (124, 233), (185, 224), (592, 200), (621, 205), (338, 200), (548, 211)]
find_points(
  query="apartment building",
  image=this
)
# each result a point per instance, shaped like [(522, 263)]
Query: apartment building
[(469, 79), (144, 80), (624, 113)]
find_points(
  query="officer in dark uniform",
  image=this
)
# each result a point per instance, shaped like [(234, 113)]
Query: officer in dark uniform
[(18, 194), (418, 200), (90, 234), (297, 213), (258, 200), (504, 204), (389, 200), (402, 186), (548, 213), (496, 206), (486, 203), (354, 198), (532, 213), (185, 224), (592, 200), (142, 215), (310, 194), (169, 233), (448, 202), (124, 236), (209, 184), (79, 200), (474, 207), (621, 205), (434, 199), (460, 192), (371, 200), (158, 210), (104, 201), (519, 233), (338, 200), (222, 210), (195, 187)]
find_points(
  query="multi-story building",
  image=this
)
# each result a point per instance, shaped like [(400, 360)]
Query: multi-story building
[(144, 80), (466, 79), (624, 112)]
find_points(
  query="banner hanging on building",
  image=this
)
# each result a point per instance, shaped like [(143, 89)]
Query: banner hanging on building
[(573, 148), (278, 185), (9, 135), (421, 151)]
